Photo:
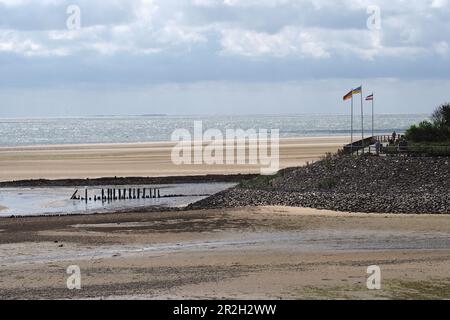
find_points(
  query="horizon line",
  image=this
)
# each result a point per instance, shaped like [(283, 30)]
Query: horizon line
[(198, 115)]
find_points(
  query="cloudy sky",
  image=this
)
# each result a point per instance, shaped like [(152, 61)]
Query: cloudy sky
[(220, 56)]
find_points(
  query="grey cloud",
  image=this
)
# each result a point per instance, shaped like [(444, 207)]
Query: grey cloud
[(35, 16), (126, 46)]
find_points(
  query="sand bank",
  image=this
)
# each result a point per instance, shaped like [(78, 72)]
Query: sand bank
[(137, 159)]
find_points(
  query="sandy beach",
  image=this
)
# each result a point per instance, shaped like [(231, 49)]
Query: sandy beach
[(265, 252), (141, 159), (253, 253)]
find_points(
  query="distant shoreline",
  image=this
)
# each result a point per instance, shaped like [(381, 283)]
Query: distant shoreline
[(149, 143), (93, 145), (426, 114)]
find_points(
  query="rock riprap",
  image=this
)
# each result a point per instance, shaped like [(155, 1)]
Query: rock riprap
[(349, 183)]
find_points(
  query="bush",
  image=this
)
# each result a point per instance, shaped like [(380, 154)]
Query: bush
[(424, 132), (436, 131)]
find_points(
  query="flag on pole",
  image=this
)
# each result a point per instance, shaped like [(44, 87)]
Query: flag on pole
[(369, 98), (348, 96), (357, 90)]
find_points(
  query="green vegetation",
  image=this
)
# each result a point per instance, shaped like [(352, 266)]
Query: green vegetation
[(431, 149), (438, 130), (327, 184), (419, 290), (264, 182), (328, 160), (431, 289)]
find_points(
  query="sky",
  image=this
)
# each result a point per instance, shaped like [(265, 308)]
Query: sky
[(118, 57)]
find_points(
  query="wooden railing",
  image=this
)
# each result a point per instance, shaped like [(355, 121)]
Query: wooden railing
[(390, 147)]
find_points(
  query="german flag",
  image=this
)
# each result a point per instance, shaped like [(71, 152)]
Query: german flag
[(369, 98), (348, 96)]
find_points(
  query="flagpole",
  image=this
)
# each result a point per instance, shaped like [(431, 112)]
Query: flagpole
[(373, 98), (362, 120), (351, 148)]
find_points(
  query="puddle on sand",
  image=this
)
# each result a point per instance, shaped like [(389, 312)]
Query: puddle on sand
[(56, 200), (325, 241)]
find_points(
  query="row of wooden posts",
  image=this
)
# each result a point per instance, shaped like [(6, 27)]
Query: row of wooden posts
[(119, 194)]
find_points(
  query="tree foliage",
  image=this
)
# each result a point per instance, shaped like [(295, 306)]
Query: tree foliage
[(441, 116), (436, 131)]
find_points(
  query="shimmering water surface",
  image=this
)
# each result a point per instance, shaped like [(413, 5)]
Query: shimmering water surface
[(113, 129), (24, 132), (47, 201)]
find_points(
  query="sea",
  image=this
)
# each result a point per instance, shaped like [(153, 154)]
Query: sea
[(147, 128), (56, 200)]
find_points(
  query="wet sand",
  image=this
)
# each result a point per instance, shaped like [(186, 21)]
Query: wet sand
[(138, 160), (269, 252)]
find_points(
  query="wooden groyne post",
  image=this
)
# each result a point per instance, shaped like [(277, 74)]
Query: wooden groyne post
[(113, 194), (74, 195)]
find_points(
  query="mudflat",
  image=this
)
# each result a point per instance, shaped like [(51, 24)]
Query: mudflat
[(265, 252)]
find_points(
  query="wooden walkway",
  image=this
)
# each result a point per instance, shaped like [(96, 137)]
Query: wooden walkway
[(358, 147)]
